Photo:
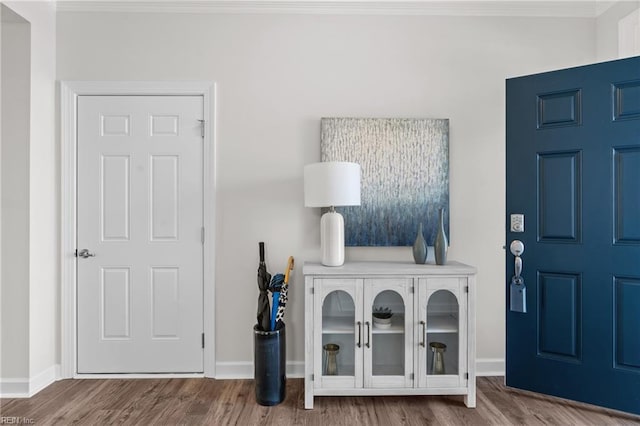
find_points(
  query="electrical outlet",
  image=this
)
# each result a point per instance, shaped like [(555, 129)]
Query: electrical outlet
[(517, 223)]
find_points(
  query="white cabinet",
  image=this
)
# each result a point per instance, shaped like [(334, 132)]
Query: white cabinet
[(348, 351)]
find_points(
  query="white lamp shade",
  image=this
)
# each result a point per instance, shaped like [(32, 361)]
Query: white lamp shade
[(332, 183)]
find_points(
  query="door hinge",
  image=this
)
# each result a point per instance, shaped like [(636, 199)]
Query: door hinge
[(75, 253), (312, 291), (466, 376), (202, 340), (202, 235), (201, 128), (466, 289), (412, 289), (411, 376)]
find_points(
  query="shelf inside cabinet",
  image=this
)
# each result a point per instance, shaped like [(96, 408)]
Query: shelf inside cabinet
[(338, 325), (397, 326), (442, 323)]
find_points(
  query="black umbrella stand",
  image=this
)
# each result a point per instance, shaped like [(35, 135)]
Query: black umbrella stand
[(270, 363)]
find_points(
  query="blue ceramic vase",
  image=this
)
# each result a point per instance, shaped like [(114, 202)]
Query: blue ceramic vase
[(420, 248), (441, 244)]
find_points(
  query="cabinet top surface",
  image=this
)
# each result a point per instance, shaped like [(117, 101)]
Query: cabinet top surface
[(388, 268)]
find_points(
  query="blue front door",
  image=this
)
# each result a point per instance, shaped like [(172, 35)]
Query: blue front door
[(573, 172)]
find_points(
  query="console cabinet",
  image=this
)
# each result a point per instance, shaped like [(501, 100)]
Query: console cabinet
[(352, 349)]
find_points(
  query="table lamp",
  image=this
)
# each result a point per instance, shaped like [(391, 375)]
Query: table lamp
[(331, 184)]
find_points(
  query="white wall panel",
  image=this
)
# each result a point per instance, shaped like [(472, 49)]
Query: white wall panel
[(277, 75), (44, 219), (14, 158)]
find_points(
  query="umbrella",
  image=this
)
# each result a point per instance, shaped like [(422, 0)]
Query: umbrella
[(282, 303), (274, 287), (264, 278)]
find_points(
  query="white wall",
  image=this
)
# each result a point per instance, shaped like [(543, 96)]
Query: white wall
[(15, 52), (43, 218), (607, 29), (277, 75)]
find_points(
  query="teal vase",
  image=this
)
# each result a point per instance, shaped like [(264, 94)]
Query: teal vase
[(441, 244), (420, 248)]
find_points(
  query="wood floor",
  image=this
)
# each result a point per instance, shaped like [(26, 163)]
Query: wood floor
[(232, 402)]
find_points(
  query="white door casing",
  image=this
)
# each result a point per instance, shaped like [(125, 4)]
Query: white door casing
[(153, 227), (140, 217)]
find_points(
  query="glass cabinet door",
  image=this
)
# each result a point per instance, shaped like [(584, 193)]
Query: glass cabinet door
[(442, 322), (388, 315), (338, 354)]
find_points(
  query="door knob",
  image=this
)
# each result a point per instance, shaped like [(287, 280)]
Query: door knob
[(517, 248), (84, 253)]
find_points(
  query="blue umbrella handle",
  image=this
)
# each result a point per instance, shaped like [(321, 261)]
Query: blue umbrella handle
[(274, 309)]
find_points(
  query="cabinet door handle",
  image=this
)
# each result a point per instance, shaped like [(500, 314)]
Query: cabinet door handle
[(359, 334), (424, 333), (368, 344)]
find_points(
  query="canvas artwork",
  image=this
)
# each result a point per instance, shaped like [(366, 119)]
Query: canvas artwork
[(405, 176)]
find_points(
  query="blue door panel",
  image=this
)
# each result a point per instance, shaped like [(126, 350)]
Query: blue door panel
[(573, 170), (559, 109), (626, 99), (559, 315), (627, 323), (559, 207), (626, 164)]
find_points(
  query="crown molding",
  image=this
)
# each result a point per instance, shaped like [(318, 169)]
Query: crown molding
[(562, 8)]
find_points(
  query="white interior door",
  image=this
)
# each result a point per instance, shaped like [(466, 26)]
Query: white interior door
[(140, 217)]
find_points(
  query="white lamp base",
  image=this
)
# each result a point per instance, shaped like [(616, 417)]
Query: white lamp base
[(332, 238)]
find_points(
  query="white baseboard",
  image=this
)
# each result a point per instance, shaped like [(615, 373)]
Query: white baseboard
[(108, 376), (490, 367), (244, 370), (14, 388), (26, 388)]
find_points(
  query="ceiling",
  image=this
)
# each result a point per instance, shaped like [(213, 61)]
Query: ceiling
[(562, 8)]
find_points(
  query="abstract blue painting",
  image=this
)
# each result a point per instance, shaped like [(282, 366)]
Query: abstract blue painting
[(405, 176)]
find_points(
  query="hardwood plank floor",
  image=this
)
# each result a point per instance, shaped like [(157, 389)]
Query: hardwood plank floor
[(232, 402)]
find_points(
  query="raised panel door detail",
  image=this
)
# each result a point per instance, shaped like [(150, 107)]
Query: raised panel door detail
[(626, 172), (140, 207), (115, 125), (164, 125), (559, 197), (559, 315), (627, 323), (626, 100), (165, 172), (165, 302), (115, 187), (115, 292), (559, 109)]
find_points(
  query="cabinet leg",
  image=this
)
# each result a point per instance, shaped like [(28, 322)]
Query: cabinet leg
[(470, 399), (308, 394)]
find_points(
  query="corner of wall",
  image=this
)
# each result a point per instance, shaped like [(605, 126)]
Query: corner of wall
[(27, 387)]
